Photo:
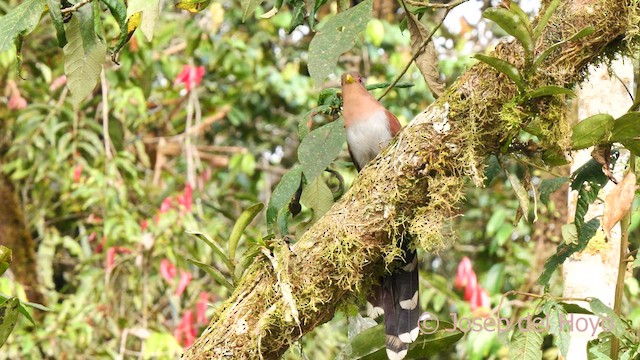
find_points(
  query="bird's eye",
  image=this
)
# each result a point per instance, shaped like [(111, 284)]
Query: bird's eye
[(361, 80)]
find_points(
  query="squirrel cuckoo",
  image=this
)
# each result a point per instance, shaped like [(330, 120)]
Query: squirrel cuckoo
[(369, 128)]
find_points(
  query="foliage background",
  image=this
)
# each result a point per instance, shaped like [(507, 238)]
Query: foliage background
[(105, 225)]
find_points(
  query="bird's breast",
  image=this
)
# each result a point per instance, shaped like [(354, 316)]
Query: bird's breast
[(366, 137)]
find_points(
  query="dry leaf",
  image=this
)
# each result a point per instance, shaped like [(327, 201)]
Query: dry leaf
[(618, 202), (427, 60)]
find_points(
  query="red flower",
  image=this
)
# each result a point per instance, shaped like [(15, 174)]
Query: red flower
[(186, 333), (464, 270), (471, 286), (190, 76), (144, 224), (166, 204), (167, 270), (111, 255), (100, 246), (201, 308), (185, 279), (77, 172), (186, 199)]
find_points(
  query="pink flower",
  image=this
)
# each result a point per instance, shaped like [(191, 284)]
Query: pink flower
[(186, 333), (186, 199), (190, 76), (185, 279), (16, 101), (166, 204), (471, 286), (167, 270), (58, 82), (111, 256), (201, 308), (464, 270), (77, 172)]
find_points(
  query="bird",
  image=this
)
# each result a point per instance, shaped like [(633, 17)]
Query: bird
[(370, 127)]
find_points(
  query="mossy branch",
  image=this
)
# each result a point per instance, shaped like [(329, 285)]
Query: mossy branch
[(414, 185)]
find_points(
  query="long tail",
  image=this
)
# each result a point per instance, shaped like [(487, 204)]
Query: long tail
[(397, 297)]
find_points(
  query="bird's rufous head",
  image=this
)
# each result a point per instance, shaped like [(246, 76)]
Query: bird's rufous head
[(352, 78)]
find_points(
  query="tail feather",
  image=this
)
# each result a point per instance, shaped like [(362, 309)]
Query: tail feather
[(400, 303)]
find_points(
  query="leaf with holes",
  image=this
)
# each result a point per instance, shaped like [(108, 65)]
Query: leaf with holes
[(320, 147), (336, 37)]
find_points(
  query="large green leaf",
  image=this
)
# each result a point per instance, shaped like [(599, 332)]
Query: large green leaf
[(82, 68), (370, 344), (19, 21), (283, 193), (8, 317), (526, 345), (336, 37), (549, 186), (626, 127), (592, 131), (150, 11), (550, 90), (249, 7), (320, 147), (610, 320), (317, 196)]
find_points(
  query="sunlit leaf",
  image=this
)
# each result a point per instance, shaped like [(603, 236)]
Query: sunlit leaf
[(626, 127), (150, 10), (5, 258), (550, 90), (592, 131), (8, 317), (513, 24), (526, 345), (317, 196), (82, 68), (336, 37), (193, 6), (21, 20)]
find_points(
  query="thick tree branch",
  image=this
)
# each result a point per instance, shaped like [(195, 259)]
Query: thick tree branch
[(413, 186)]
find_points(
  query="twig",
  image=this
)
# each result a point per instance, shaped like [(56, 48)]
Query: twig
[(105, 115), (75, 7), (433, 6), (422, 47)]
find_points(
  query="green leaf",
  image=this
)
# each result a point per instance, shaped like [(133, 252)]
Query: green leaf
[(492, 170), (564, 250), (336, 37), (131, 25), (549, 91), (521, 193), (21, 20), (249, 7), (626, 127), (600, 348), (537, 31), (118, 10), (150, 10), (193, 6), (549, 186), (298, 13), (318, 197), (545, 54), (526, 345), (58, 23), (214, 247), (320, 147), (513, 24), (559, 326), (283, 193), (213, 272), (8, 318), (610, 320), (243, 221), (592, 131), (5, 258), (370, 344), (82, 68), (503, 67)]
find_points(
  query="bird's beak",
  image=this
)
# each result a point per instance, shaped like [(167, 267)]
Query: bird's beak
[(349, 79)]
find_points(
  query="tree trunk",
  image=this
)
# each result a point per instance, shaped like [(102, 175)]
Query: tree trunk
[(414, 185), (15, 235), (593, 272)]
